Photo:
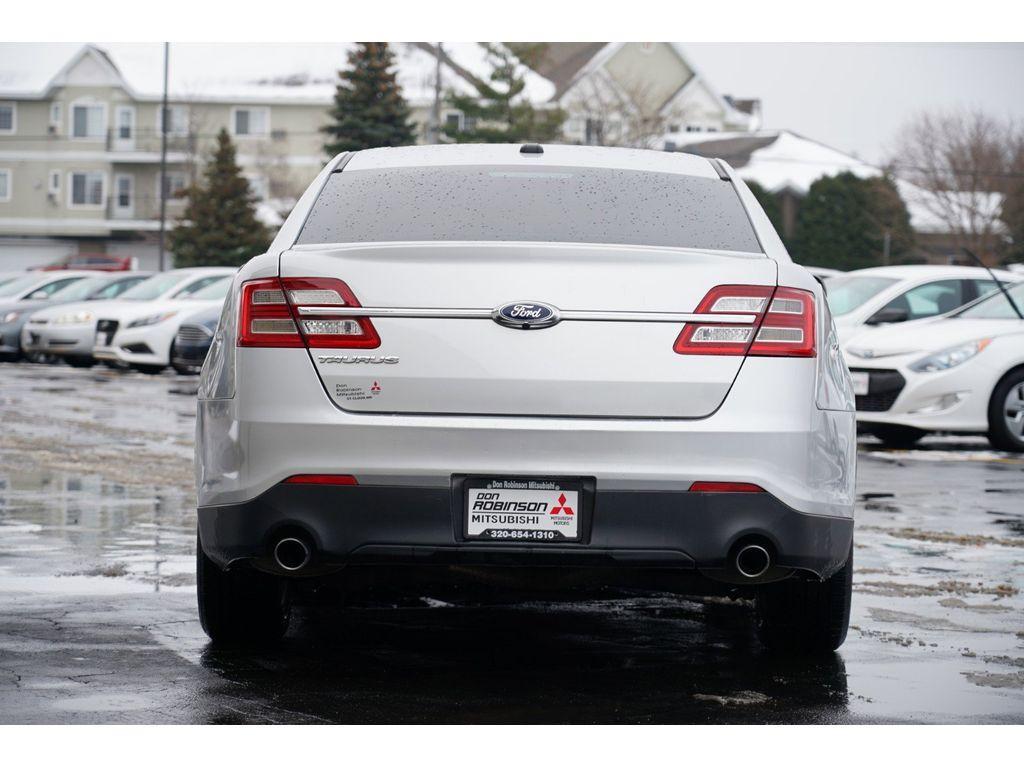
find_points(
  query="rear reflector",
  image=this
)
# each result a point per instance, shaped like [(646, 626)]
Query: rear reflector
[(782, 323), (713, 487), (322, 480), (270, 315)]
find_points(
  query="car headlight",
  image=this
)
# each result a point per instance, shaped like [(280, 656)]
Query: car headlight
[(74, 318), (151, 319), (949, 357), (10, 317)]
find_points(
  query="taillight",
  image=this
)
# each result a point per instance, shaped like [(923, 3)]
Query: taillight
[(301, 311), (782, 323)]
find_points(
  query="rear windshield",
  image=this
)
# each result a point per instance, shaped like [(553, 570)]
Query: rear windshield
[(551, 204)]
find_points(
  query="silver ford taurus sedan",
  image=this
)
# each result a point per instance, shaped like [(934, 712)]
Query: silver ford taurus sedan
[(531, 365)]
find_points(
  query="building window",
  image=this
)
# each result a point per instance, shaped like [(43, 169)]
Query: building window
[(5, 184), (452, 122), (177, 123), (175, 184), (125, 122), (8, 117), (56, 116), (87, 189), (88, 121), (53, 184), (250, 121), (124, 191)]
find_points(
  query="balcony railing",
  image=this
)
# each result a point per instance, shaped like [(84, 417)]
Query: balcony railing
[(136, 207), (148, 140)]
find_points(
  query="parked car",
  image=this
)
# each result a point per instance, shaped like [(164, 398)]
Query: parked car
[(6, 277), (562, 365), (960, 373), (95, 261), (97, 287), (144, 338), (73, 326), (195, 335), (19, 297), (867, 298)]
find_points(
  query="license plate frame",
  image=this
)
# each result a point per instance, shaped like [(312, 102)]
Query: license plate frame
[(540, 488), (861, 382)]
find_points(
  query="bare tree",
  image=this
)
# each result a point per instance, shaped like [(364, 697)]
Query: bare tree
[(964, 164), (622, 113)]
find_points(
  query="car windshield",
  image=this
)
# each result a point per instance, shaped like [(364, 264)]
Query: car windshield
[(215, 290), (19, 284), (80, 289), (152, 288), (847, 293), (995, 306), (511, 203)]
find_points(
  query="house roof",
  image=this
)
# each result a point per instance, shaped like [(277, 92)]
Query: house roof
[(781, 160), (233, 72)]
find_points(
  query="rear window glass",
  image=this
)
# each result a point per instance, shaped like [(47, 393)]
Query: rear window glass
[(551, 204)]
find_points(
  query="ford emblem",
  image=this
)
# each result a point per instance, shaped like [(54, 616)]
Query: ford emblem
[(526, 315)]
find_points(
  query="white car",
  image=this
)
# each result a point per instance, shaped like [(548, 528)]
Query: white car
[(559, 363), (69, 330), (21, 296), (867, 298), (145, 335), (960, 373)]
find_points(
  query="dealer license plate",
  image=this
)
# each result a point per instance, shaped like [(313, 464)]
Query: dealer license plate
[(523, 510)]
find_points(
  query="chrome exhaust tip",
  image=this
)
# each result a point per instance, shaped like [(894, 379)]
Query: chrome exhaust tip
[(752, 561), (292, 554)]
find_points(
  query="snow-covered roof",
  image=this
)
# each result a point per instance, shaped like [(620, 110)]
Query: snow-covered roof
[(782, 160), (246, 72)]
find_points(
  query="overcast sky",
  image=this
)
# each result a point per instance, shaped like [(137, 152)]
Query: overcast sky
[(855, 96)]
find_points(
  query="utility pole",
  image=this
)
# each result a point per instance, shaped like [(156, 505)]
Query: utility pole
[(163, 160), (886, 247), (435, 114)]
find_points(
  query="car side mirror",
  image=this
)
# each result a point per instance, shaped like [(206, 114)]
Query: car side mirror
[(888, 315), (38, 295)]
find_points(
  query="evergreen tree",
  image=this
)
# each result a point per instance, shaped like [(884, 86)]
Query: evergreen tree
[(770, 203), (219, 226), (499, 112), (368, 110), (843, 220)]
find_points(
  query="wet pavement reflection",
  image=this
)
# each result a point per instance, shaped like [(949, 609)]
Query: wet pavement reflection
[(98, 624)]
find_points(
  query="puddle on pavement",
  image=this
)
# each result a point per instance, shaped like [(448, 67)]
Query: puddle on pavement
[(101, 532)]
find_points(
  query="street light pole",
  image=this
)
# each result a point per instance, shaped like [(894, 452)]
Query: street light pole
[(435, 116), (163, 160)]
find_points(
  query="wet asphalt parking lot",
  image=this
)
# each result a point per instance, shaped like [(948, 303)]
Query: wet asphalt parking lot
[(98, 621)]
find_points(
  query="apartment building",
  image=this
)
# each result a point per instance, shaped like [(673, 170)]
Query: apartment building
[(80, 126)]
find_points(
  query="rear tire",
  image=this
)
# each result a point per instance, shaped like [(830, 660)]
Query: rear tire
[(1006, 413), (239, 608), (895, 436), (806, 616)]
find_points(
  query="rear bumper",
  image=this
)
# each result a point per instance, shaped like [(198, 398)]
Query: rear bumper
[(422, 525)]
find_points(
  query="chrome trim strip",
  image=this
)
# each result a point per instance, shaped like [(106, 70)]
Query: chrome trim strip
[(485, 314)]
